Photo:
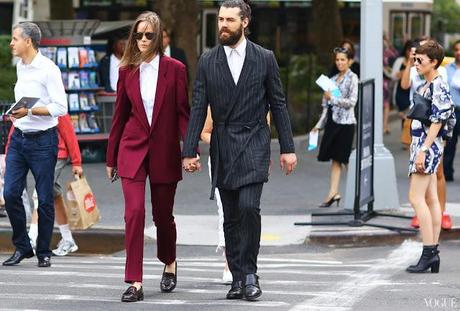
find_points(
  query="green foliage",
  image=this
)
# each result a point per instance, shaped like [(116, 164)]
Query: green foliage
[(5, 51), (7, 80), (446, 16), (303, 95)]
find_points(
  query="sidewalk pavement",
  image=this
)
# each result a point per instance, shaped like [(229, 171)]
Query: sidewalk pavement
[(285, 200)]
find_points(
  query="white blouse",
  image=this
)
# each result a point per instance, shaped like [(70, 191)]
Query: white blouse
[(148, 82)]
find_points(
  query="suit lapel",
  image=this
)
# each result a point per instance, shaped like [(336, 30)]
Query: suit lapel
[(161, 90), (248, 65), (133, 87)]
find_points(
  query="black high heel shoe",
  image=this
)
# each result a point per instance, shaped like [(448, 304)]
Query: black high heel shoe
[(335, 198), (429, 260)]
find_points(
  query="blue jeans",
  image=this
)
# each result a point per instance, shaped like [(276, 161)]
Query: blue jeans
[(39, 155)]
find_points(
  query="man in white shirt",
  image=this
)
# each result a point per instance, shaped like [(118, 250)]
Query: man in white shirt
[(34, 143), (172, 51)]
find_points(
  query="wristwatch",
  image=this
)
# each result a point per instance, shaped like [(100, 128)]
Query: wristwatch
[(424, 149), (29, 112)]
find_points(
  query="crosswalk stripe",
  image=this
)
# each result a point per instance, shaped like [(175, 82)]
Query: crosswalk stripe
[(71, 298)]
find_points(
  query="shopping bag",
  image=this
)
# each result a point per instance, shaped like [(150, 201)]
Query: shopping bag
[(81, 209)]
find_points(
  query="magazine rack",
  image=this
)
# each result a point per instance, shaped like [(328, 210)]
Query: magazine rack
[(68, 44)]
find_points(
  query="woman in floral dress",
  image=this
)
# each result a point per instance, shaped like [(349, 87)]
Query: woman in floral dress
[(425, 153)]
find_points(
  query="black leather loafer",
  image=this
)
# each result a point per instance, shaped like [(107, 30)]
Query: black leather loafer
[(132, 294), (252, 289), (44, 262), (236, 292), (17, 257), (168, 281)]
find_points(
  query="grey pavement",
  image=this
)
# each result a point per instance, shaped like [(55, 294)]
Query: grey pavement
[(293, 278)]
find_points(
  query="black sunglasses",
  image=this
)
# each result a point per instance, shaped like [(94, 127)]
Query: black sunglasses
[(340, 50), (418, 60), (148, 35)]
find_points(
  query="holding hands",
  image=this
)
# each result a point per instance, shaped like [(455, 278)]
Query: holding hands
[(191, 165)]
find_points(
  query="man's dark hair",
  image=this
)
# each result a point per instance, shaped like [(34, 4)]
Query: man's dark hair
[(455, 44), (245, 9), (433, 50)]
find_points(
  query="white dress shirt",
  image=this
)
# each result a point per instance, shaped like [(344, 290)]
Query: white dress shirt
[(235, 59), (41, 78), (114, 64), (168, 51), (149, 80)]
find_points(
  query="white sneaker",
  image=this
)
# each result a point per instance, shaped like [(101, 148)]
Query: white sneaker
[(227, 277), (65, 247)]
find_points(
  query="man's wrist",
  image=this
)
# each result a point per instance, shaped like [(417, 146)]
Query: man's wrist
[(29, 112)]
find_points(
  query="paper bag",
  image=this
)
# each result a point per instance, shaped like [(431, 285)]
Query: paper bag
[(82, 211)]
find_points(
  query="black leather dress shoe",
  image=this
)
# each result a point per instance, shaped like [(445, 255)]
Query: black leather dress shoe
[(132, 294), (236, 292), (44, 262), (17, 257), (168, 281), (252, 289)]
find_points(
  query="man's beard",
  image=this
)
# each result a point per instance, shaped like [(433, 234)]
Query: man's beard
[(233, 36)]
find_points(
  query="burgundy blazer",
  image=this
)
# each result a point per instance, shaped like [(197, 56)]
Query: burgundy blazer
[(132, 139)]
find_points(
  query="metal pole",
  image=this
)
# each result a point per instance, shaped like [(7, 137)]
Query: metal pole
[(371, 46)]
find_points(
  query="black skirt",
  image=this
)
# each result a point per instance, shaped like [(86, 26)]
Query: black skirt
[(337, 141)]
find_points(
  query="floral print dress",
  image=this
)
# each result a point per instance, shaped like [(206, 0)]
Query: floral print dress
[(441, 109)]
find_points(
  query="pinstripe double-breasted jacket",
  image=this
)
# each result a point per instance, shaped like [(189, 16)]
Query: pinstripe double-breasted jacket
[(240, 140)]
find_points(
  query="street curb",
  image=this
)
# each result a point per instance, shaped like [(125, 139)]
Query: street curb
[(370, 238), (91, 241)]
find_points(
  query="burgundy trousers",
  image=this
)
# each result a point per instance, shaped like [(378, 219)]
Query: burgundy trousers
[(162, 197)]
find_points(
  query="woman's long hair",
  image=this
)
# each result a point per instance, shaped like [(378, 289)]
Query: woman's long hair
[(133, 56)]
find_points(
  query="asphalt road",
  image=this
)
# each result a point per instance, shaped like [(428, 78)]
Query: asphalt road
[(293, 278)]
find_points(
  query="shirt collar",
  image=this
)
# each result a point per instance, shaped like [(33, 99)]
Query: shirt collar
[(240, 49), (154, 63), (36, 62)]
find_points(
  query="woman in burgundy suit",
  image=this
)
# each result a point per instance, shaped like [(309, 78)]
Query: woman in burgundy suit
[(151, 113)]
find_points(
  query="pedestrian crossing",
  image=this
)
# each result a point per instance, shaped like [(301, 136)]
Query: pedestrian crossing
[(96, 283)]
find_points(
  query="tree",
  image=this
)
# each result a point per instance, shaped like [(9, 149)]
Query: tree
[(181, 16), (446, 18), (327, 27)]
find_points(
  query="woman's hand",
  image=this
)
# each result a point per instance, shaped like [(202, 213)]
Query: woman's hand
[(109, 172), (420, 162), (327, 95)]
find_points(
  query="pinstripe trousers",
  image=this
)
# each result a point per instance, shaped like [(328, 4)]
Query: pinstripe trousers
[(242, 227)]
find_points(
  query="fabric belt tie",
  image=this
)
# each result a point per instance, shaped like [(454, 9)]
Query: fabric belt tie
[(216, 133)]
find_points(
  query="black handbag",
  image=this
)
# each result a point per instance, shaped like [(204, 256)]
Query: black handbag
[(421, 109)]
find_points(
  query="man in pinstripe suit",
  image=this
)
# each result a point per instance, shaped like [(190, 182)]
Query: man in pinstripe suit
[(240, 81)]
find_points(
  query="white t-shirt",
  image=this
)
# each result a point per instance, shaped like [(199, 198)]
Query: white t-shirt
[(114, 64)]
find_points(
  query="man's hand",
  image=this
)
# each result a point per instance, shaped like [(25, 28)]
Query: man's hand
[(288, 162), (77, 170), (191, 164), (19, 113), (327, 95)]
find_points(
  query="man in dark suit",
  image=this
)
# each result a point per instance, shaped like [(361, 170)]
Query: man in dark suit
[(172, 51), (240, 81)]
